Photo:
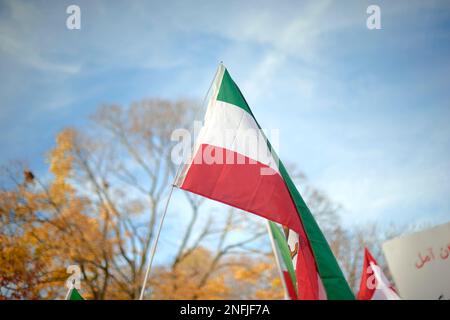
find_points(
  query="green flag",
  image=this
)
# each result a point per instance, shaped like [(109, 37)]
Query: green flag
[(75, 295)]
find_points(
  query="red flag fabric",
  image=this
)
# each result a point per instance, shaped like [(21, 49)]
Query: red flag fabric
[(374, 285)]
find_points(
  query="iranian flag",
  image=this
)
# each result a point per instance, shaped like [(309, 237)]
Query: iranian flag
[(234, 163), (374, 284), (284, 260)]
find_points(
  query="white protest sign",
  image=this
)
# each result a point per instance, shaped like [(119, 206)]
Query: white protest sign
[(420, 263)]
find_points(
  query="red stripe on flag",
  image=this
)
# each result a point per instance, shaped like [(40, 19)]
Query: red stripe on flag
[(244, 187), (289, 286)]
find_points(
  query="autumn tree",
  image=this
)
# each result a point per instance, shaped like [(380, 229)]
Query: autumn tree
[(100, 206)]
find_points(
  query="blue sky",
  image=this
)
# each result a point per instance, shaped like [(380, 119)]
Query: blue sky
[(364, 113)]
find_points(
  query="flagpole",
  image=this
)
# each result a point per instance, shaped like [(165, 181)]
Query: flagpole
[(277, 260), (155, 244), (68, 294)]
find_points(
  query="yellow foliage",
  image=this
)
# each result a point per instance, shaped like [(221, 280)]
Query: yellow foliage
[(45, 229), (186, 280), (61, 160)]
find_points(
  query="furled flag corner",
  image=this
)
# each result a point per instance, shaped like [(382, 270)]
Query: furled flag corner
[(374, 285), (75, 295)]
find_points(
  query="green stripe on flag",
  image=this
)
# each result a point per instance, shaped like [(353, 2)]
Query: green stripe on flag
[(230, 93), (75, 295), (284, 250), (331, 274)]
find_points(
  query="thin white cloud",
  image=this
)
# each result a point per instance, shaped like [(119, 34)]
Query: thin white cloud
[(20, 41), (285, 56)]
